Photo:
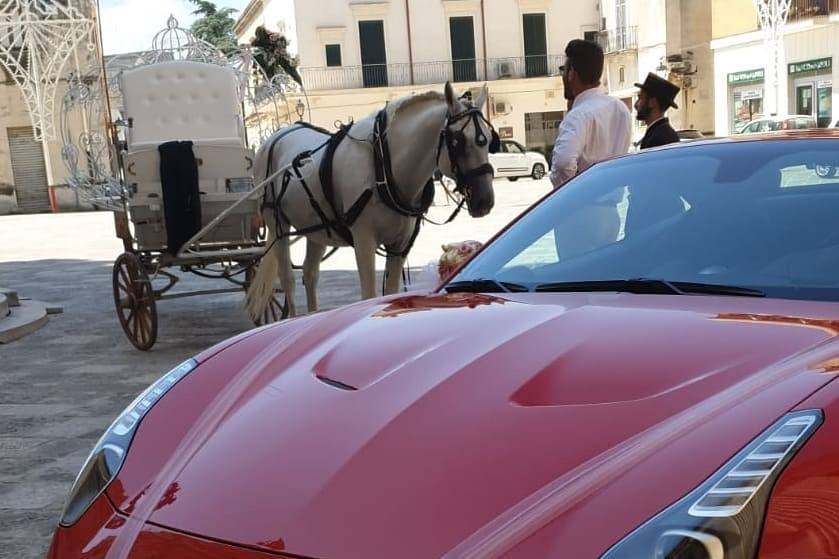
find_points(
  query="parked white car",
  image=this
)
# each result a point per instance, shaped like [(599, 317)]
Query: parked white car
[(513, 161)]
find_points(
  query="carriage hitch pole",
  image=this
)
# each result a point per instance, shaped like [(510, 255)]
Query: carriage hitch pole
[(186, 250)]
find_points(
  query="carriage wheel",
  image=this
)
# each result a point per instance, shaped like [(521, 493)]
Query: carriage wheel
[(276, 310), (135, 301)]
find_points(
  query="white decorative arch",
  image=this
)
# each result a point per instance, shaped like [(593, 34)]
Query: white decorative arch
[(37, 37)]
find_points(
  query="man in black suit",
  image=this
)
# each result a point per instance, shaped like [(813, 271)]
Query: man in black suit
[(656, 96)]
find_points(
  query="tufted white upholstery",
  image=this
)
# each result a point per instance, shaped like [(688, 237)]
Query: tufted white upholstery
[(182, 101)]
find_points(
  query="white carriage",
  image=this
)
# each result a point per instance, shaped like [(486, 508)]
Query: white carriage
[(175, 167)]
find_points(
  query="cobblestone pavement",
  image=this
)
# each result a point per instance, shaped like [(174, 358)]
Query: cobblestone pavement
[(62, 386)]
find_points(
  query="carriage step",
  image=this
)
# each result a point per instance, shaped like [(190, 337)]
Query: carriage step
[(53, 308), (4, 306), (24, 319)]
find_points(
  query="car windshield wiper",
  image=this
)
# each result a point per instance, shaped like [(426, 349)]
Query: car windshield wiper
[(647, 286), (484, 285)]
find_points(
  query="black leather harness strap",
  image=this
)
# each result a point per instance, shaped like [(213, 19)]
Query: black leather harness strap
[(341, 224), (385, 181)]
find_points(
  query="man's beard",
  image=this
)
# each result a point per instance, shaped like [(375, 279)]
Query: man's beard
[(566, 91), (643, 112)]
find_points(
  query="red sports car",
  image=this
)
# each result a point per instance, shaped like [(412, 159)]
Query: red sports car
[(641, 366)]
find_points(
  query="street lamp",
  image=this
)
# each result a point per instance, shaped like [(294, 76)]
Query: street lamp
[(300, 107)]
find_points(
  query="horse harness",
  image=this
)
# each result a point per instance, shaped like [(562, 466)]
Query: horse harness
[(385, 185)]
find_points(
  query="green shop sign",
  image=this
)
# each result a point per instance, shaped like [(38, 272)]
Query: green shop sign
[(818, 65), (746, 77)]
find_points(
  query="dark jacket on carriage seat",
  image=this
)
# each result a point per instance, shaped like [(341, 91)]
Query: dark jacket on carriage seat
[(181, 197)]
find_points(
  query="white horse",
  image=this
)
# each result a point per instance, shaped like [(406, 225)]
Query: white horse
[(380, 173)]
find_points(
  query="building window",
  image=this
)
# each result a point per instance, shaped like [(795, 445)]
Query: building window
[(590, 36), (373, 53), (535, 45), (621, 19), (620, 14), (622, 74), (462, 31), (333, 55)]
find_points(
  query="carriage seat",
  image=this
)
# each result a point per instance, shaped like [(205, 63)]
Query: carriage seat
[(185, 101), (182, 100)]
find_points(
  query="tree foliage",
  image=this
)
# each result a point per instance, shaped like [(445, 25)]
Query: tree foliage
[(214, 25)]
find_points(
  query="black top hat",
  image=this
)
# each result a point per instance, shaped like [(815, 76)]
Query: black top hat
[(661, 89)]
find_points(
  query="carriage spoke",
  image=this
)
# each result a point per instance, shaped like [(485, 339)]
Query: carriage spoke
[(124, 275), (147, 322), (141, 320), (145, 327), (133, 325), (123, 287)]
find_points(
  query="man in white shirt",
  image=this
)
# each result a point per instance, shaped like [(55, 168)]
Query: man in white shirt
[(598, 126)]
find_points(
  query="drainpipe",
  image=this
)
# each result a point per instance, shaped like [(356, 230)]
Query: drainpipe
[(484, 30), (486, 63), (410, 42)]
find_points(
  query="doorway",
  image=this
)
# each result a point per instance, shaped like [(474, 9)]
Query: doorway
[(535, 45), (373, 54), (462, 31)]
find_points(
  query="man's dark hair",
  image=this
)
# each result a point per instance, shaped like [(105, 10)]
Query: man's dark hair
[(586, 57)]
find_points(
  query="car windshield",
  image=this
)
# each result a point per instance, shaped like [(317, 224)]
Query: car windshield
[(758, 217)]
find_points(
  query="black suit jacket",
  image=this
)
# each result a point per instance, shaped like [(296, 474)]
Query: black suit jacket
[(659, 134)]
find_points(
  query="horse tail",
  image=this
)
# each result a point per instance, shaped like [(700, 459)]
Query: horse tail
[(261, 289)]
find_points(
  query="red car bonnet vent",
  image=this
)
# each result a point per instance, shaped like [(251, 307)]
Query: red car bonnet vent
[(336, 384)]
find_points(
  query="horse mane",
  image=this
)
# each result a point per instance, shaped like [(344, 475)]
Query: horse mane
[(397, 106)]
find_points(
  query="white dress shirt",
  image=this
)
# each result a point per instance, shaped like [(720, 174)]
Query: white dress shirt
[(597, 127)]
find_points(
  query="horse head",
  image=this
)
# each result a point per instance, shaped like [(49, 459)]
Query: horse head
[(469, 139)]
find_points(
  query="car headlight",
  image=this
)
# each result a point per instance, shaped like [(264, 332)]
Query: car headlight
[(722, 518), (109, 453)]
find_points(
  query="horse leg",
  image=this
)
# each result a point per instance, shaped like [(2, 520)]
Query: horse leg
[(365, 259), (286, 273), (311, 272), (393, 273)]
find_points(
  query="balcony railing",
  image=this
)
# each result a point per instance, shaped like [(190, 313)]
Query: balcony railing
[(426, 73), (618, 39), (804, 9)]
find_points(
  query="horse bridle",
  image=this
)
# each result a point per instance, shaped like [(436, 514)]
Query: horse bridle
[(455, 141)]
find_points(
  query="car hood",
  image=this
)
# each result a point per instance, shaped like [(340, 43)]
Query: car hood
[(410, 427)]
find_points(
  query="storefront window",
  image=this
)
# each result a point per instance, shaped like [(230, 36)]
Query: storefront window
[(540, 131), (825, 103), (745, 92), (748, 104)]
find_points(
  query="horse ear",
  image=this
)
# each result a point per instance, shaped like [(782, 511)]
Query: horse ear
[(451, 98), (482, 97)]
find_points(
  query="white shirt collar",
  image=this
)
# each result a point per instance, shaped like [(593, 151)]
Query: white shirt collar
[(656, 121), (588, 93)]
